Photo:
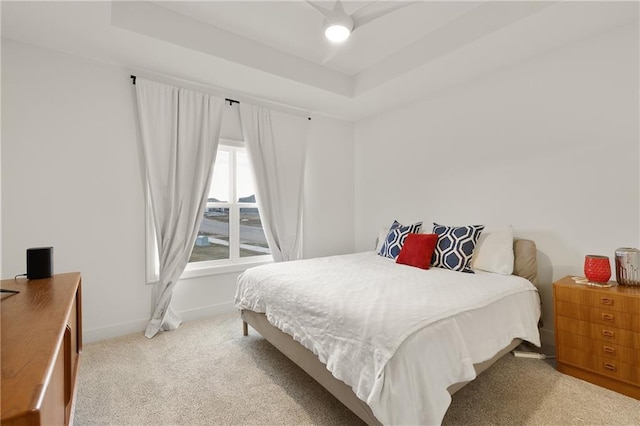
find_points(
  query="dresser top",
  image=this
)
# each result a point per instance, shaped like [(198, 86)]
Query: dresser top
[(627, 290), (32, 328)]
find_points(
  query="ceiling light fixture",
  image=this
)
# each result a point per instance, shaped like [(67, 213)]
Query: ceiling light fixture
[(337, 33), (338, 24)]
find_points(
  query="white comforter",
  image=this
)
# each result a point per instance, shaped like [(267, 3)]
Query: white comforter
[(354, 311)]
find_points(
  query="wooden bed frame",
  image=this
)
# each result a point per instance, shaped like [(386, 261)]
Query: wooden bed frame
[(525, 265)]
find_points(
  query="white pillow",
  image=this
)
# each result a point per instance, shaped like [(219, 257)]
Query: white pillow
[(494, 252), (382, 236)]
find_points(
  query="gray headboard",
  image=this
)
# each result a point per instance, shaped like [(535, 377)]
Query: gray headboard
[(525, 264)]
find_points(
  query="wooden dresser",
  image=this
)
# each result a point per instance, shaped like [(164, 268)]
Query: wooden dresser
[(41, 342), (598, 334)]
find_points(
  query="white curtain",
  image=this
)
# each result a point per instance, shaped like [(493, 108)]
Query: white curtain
[(276, 144), (179, 134)]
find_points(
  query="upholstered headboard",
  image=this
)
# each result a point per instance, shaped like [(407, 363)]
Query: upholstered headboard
[(525, 264)]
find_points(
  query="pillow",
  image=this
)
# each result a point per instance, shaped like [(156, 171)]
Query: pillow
[(417, 250), (395, 238), (382, 236), (455, 246), (494, 252)]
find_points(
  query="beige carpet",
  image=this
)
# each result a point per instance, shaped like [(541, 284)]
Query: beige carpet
[(207, 373)]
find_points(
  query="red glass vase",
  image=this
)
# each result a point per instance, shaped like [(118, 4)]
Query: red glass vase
[(597, 268)]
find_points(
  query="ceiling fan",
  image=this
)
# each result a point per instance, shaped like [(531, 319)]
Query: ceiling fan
[(339, 24)]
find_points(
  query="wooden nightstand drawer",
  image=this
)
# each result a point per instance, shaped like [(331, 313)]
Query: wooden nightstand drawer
[(605, 350), (575, 341), (591, 361), (619, 370), (577, 357), (573, 326), (572, 294), (615, 335), (614, 319), (598, 331), (616, 352), (600, 315), (617, 298), (614, 302), (573, 310)]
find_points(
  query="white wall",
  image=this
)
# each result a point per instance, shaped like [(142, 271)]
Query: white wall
[(550, 146), (329, 190), (71, 179)]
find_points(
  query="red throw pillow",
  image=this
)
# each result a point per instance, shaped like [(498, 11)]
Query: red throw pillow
[(417, 250)]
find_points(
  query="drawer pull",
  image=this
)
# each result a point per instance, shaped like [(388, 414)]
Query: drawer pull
[(608, 317), (609, 366), (608, 350), (608, 333), (606, 301)]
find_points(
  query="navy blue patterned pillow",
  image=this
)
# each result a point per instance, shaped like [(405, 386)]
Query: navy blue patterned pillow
[(395, 238), (455, 246)]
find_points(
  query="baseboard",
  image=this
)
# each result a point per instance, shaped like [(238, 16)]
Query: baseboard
[(122, 329), (547, 337), (111, 331), (207, 311)]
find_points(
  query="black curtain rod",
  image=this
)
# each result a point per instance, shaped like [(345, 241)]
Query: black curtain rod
[(231, 101)]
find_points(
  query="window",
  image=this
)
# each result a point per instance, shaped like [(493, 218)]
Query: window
[(231, 230)]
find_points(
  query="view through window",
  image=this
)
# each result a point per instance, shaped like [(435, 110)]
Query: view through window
[(231, 228)]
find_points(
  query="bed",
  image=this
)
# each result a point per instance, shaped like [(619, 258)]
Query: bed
[(388, 352)]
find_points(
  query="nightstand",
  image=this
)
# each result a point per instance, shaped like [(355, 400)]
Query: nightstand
[(598, 334)]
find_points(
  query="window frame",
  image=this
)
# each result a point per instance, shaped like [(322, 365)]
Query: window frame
[(234, 263)]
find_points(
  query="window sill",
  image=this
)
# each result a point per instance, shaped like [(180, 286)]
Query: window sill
[(193, 271)]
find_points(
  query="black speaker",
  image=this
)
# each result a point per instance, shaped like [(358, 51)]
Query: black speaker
[(39, 262)]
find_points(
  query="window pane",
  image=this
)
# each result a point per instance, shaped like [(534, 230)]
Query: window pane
[(244, 178), (212, 242), (252, 239), (220, 182)]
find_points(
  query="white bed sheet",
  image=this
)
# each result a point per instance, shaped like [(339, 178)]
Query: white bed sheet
[(355, 311), (413, 387)]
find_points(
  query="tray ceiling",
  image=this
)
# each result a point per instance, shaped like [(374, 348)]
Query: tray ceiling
[(276, 50)]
